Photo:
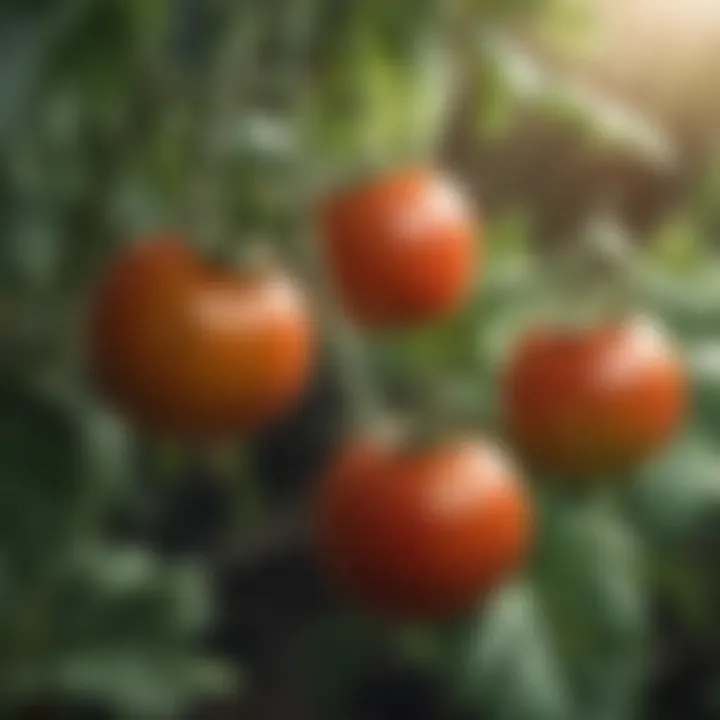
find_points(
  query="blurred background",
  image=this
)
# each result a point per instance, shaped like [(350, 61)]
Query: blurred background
[(143, 579)]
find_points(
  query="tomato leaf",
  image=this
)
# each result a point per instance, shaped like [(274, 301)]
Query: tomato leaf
[(504, 662), (674, 492), (40, 456), (568, 641), (117, 626)]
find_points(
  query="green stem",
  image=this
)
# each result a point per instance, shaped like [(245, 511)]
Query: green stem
[(347, 349), (345, 345), (230, 82), (422, 367), (599, 268)]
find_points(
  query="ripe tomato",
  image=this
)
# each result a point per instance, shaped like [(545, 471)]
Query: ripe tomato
[(401, 249), (188, 349), (425, 532), (593, 401)]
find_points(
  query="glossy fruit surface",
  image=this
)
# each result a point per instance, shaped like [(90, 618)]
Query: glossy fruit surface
[(184, 348), (424, 532), (402, 249), (593, 401)]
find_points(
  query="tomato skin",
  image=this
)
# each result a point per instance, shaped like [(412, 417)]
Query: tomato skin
[(191, 350), (402, 249), (423, 533), (594, 401)]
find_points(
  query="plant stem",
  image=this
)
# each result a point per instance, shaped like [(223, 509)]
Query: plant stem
[(345, 346), (231, 77), (349, 354)]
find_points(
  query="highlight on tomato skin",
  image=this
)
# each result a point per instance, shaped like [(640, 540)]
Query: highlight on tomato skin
[(403, 249), (184, 348), (423, 533), (593, 401)]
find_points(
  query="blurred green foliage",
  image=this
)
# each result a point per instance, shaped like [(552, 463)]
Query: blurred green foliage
[(102, 125)]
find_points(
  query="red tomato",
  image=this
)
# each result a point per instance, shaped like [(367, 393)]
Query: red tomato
[(593, 401), (422, 533), (401, 249), (187, 349)]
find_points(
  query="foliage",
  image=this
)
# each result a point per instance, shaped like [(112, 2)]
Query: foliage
[(116, 118)]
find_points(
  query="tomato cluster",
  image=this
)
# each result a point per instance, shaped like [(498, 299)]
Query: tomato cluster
[(188, 348)]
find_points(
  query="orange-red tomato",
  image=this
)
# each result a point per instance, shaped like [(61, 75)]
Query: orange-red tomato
[(189, 349), (593, 401), (421, 533), (402, 249)]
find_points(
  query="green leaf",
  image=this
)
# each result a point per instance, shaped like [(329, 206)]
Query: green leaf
[(673, 493), (569, 640), (704, 370), (139, 684), (508, 665), (116, 625), (566, 25), (676, 504), (579, 107), (589, 572), (150, 21), (29, 41), (108, 455), (508, 237), (374, 107), (689, 304), (425, 86), (497, 99), (125, 596), (19, 72), (40, 461), (678, 246)]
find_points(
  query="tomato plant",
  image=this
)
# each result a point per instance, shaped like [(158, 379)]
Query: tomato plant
[(185, 348), (402, 248), (182, 522), (593, 400), (426, 531)]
